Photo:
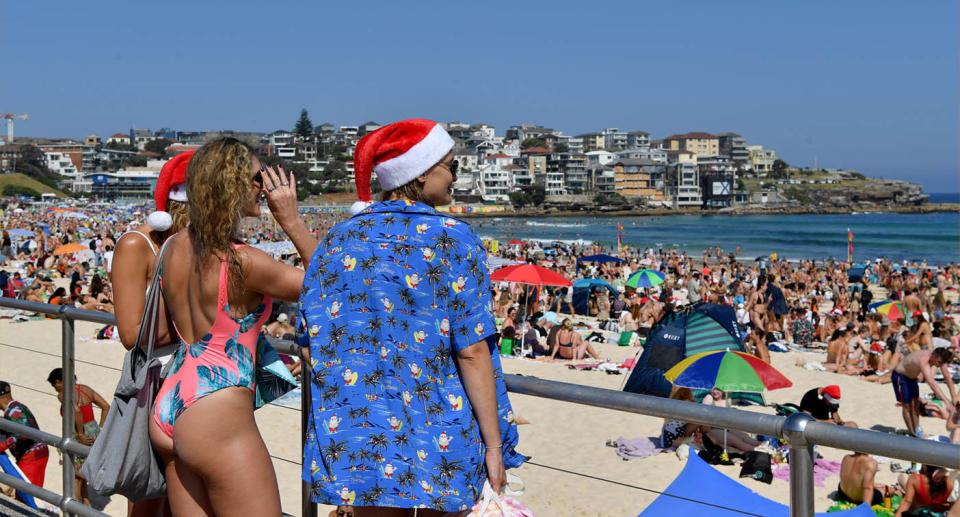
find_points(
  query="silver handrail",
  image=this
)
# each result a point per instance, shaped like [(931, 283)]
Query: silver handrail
[(800, 431)]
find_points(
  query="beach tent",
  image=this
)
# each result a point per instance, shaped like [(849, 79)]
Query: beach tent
[(704, 491), (581, 293), (596, 258), (855, 274), (700, 328)]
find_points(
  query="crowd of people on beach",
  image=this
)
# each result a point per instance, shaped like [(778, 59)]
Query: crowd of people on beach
[(396, 297)]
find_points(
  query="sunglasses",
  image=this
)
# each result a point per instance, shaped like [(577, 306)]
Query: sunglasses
[(344, 513), (258, 177)]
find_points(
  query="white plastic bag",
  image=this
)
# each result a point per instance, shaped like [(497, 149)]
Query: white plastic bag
[(493, 505)]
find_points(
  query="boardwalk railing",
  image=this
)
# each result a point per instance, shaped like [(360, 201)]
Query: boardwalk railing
[(799, 430)]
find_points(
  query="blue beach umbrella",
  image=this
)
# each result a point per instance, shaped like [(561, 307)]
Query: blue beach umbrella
[(645, 278)]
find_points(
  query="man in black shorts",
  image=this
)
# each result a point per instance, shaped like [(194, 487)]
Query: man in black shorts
[(857, 473)]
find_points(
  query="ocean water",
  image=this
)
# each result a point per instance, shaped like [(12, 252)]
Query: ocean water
[(945, 197), (934, 237)]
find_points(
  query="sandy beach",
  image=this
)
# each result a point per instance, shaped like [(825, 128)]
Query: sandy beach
[(561, 435)]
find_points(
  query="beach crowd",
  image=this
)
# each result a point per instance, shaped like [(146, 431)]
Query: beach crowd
[(882, 321)]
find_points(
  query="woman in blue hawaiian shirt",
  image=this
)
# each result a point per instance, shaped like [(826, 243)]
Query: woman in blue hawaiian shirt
[(409, 406)]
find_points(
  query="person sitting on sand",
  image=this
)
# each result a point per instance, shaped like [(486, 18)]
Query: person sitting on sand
[(551, 324), (757, 345), (920, 335), (907, 389), (571, 346), (857, 475), (953, 423), (929, 489), (837, 352), (823, 404)]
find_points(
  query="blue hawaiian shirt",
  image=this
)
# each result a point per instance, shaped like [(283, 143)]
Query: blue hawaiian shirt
[(389, 298)]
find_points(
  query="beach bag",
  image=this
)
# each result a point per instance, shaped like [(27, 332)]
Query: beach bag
[(628, 338), (756, 465), (273, 379), (493, 505), (122, 460)]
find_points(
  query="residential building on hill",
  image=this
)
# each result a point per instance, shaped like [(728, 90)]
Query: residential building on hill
[(614, 139), (637, 139), (683, 179), (592, 142), (92, 140), (639, 179), (119, 139), (703, 144), (735, 146), (140, 137), (761, 160)]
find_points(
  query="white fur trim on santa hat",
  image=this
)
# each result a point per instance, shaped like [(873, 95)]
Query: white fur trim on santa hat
[(359, 206), (400, 170), (178, 192), (160, 221)]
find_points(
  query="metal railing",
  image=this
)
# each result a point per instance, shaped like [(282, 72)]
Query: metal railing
[(800, 431)]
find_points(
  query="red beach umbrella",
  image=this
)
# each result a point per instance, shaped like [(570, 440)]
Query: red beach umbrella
[(529, 274)]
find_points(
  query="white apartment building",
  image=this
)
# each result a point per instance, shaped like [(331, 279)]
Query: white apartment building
[(643, 153), (495, 183), (60, 163), (600, 158)]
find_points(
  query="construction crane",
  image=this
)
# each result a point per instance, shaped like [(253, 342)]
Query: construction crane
[(10, 117)]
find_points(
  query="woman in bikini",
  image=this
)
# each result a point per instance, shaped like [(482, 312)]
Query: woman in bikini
[(571, 346), (219, 293), (87, 427)]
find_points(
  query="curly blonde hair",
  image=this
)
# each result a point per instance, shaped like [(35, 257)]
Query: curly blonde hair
[(218, 179), (180, 214)]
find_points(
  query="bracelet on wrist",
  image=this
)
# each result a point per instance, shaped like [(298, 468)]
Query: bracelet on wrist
[(498, 446)]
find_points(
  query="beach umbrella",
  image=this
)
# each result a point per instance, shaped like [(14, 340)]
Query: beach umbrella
[(892, 309), (645, 278), (75, 215), (515, 241), (67, 249), (529, 274), (20, 232), (726, 370)]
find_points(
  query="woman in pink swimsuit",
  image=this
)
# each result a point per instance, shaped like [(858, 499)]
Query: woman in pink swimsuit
[(218, 293)]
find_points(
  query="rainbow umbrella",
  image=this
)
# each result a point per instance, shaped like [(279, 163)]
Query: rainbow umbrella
[(892, 309), (726, 370), (645, 278)]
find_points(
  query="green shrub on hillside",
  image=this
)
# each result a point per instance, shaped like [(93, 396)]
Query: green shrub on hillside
[(19, 190)]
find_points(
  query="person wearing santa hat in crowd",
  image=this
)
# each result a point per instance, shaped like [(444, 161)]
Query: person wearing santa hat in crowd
[(823, 404), (429, 370), (132, 269)]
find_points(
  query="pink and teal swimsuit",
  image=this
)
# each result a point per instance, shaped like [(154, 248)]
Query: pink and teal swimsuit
[(225, 357)]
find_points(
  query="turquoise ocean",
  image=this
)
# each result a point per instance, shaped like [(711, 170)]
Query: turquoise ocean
[(934, 237)]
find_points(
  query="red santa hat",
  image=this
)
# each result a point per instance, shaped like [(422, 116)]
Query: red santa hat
[(398, 153), (171, 185), (831, 394)]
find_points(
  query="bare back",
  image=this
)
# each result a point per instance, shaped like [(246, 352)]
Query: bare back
[(856, 471), (190, 286)]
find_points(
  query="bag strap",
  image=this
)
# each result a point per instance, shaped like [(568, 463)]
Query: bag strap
[(151, 308)]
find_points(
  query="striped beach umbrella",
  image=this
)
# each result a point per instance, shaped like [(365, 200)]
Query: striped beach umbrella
[(892, 309), (645, 278), (726, 370)]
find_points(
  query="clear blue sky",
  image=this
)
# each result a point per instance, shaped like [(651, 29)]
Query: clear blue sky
[(870, 85)]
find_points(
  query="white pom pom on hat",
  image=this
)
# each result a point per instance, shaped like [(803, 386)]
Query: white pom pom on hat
[(171, 185), (160, 221), (398, 153)]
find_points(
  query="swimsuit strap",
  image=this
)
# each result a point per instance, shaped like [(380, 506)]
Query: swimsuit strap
[(153, 247)]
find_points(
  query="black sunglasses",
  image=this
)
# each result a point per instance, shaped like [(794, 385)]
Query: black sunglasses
[(258, 177)]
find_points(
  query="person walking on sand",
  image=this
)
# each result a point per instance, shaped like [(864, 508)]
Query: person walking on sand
[(907, 389)]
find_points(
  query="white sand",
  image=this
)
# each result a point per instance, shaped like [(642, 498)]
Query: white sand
[(562, 435)]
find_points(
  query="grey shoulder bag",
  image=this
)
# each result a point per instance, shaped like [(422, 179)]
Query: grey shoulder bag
[(122, 460)]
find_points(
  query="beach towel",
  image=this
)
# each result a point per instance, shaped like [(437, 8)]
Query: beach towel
[(822, 469), (633, 448)]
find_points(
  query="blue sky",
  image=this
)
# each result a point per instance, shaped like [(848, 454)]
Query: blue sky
[(866, 85)]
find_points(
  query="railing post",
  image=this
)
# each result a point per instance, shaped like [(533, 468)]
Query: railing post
[(801, 465), (69, 392), (308, 507)]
